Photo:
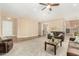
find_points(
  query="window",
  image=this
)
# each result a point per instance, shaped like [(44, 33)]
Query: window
[(7, 28)]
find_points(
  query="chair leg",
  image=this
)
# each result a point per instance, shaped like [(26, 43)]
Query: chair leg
[(61, 43), (45, 46), (54, 50)]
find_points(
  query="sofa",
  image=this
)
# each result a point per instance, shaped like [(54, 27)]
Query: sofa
[(73, 48), (2, 47), (56, 35), (6, 45)]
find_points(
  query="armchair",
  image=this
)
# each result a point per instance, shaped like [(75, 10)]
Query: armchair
[(56, 35)]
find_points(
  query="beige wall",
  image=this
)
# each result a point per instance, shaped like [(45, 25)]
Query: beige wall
[(26, 28), (56, 25), (0, 24)]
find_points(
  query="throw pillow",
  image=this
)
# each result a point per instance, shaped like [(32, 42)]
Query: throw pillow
[(51, 34), (76, 39), (60, 35)]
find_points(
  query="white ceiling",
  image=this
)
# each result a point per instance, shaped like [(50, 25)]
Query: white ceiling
[(65, 10)]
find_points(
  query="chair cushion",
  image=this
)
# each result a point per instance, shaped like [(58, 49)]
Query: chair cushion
[(73, 48), (73, 44), (73, 52), (60, 34)]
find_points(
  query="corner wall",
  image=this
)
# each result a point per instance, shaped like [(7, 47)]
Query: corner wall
[(26, 28)]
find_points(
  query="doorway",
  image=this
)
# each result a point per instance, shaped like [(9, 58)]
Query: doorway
[(44, 29)]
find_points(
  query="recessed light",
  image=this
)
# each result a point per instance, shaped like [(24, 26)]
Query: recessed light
[(74, 5), (8, 18)]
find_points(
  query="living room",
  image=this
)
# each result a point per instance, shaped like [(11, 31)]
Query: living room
[(28, 29)]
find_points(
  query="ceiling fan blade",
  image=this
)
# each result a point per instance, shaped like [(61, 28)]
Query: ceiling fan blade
[(55, 4), (43, 4), (43, 8)]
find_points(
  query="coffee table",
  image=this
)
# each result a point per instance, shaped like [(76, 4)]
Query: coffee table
[(53, 43)]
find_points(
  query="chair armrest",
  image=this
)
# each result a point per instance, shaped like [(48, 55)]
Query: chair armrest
[(72, 39)]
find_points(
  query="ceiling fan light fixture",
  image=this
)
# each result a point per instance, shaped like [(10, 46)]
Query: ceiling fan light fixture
[(74, 5), (48, 6), (8, 18)]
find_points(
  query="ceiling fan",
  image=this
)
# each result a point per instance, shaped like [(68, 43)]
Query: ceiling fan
[(49, 5)]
